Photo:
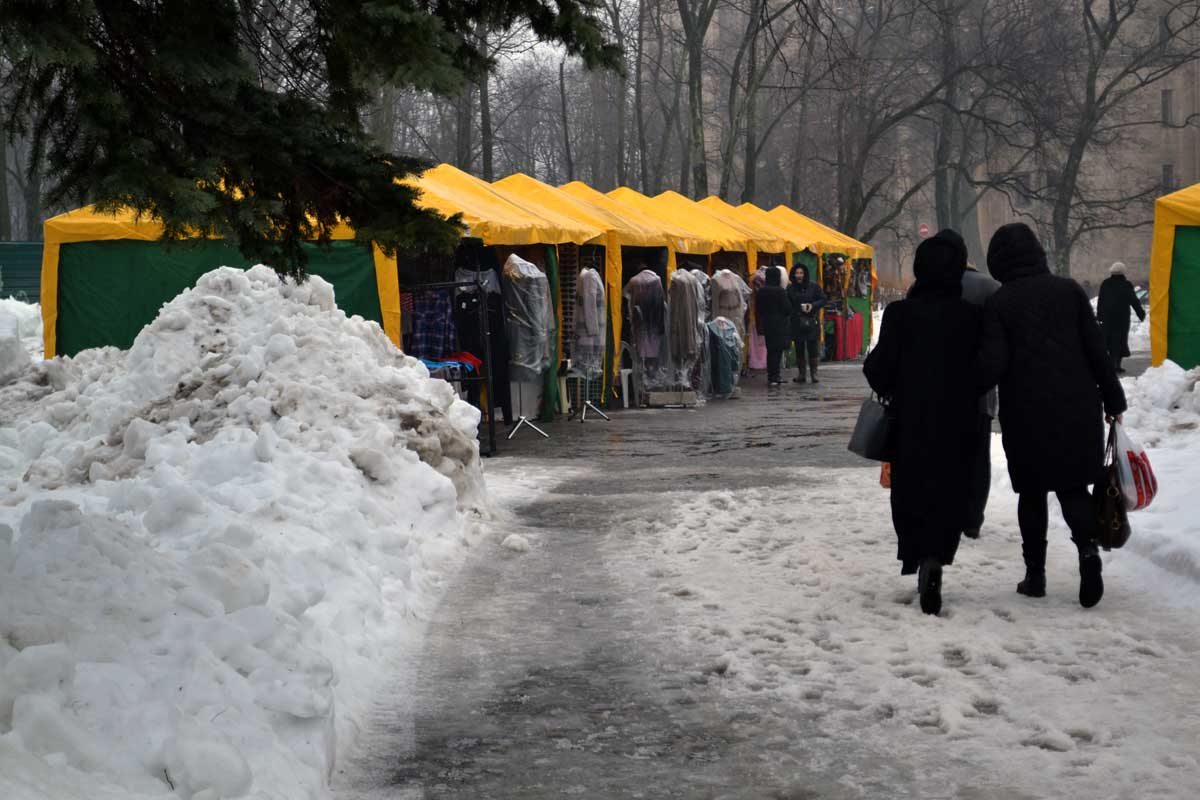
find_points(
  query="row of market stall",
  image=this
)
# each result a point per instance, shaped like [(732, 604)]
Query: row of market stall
[(104, 277)]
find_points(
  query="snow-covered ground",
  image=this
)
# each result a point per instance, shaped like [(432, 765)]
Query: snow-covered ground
[(212, 545), (795, 595)]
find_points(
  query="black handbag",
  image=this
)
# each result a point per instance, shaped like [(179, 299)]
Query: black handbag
[(872, 437), (1112, 518)]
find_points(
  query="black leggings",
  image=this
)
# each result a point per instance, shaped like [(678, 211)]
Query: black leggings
[(1033, 516)]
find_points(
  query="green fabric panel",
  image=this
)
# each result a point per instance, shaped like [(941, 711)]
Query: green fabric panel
[(809, 259), (108, 291), (1183, 312), (862, 305), (550, 379), (21, 270)]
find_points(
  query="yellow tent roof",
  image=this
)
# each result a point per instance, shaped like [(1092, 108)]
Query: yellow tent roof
[(628, 230), (823, 233), (495, 215), (805, 238), (770, 236), (1180, 208), (731, 228), (684, 240), (707, 237)]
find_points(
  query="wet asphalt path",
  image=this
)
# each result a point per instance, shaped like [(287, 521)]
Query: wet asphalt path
[(547, 674)]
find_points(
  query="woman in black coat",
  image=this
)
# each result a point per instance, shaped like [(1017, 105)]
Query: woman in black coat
[(772, 315), (807, 300), (1042, 345), (927, 345), (1117, 297)]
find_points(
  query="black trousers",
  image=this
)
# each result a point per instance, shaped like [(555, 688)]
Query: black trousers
[(981, 473), (1034, 518), (809, 343), (774, 361)]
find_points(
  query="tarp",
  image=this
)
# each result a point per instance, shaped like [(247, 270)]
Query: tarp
[(822, 233), (1175, 279), (86, 225), (495, 215), (707, 238), (686, 239)]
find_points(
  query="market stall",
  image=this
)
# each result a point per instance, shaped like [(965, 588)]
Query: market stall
[(1175, 279)]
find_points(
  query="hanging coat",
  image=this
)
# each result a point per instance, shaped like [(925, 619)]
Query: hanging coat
[(1042, 345), (1117, 298), (647, 307), (922, 364)]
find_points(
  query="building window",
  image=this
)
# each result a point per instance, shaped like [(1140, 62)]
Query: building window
[(1168, 107), (1168, 177)]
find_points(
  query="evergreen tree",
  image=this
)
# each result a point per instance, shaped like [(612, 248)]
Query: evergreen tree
[(244, 118)]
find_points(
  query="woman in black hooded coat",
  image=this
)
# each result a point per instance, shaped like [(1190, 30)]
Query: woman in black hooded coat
[(772, 314), (922, 364), (1042, 345)]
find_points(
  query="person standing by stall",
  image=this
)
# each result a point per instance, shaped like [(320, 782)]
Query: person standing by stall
[(772, 313), (1117, 297), (806, 300)]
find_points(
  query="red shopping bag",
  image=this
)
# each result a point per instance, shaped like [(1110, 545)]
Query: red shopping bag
[(1135, 476)]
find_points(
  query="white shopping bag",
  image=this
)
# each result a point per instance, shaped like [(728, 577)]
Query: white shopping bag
[(1134, 473)]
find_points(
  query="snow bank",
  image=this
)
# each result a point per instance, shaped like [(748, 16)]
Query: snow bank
[(1164, 416), (209, 544), (25, 320), (1139, 335)]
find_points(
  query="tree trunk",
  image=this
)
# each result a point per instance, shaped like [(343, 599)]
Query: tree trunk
[(487, 136), (464, 122), (798, 157), (943, 147), (638, 99), (750, 157), (383, 120), (566, 124), (696, 151), (33, 202), (5, 204)]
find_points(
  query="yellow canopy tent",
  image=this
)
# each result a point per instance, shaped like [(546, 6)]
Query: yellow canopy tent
[(86, 225), (709, 235), (1175, 279), (685, 239), (770, 236), (495, 215), (839, 242), (619, 230)]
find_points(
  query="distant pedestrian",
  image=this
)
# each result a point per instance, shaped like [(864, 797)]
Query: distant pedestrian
[(922, 364), (772, 315), (1042, 345), (1117, 297), (807, 300)]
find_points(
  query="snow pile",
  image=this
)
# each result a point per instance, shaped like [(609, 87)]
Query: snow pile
[(1164, 417), (25, 320), (209, 544)]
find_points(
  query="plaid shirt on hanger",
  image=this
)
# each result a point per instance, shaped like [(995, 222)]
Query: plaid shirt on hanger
[(433, 336)]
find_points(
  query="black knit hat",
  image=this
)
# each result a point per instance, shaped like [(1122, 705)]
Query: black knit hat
[(1015, 252)]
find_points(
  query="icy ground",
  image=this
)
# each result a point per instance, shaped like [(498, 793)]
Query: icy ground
[(214, 546), (734, 627)]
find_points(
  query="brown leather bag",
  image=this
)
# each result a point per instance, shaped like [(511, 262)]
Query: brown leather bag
[(1112, 520)]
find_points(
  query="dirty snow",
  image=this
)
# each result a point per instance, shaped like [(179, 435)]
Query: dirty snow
[(212, 545), (25, 320)]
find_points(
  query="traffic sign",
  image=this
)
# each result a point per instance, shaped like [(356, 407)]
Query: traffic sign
[(923, 229)]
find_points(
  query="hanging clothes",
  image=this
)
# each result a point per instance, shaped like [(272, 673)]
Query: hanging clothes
[(731, 299), (726, 348), (433, 336), (647, 313), (591, 323), (758, 345), (471, 339), (706, 289), (530, 319), (487, 277)]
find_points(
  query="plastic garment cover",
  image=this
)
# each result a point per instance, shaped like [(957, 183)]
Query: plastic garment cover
[(685, 323), (647, 310), (731, 299), (591, 324), (529, 319), (758, 345), (488, 277), (707, 287), (725, 347)]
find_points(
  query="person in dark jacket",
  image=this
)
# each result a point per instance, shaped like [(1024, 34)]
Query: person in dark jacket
[(1042, 345), (772, 314), (923, 365), (1117, 297), (807, 300)]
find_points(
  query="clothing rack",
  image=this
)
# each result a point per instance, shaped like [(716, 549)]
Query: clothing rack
[(486, 358)]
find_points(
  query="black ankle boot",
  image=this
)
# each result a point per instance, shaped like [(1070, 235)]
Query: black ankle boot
[(929, 585), (1091, 580), (1034, 584), (812, 367)]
